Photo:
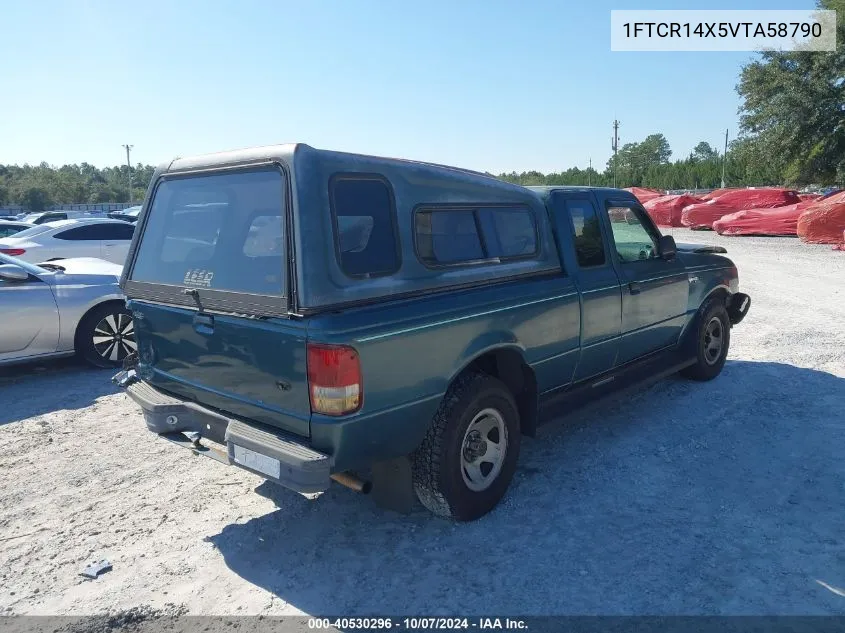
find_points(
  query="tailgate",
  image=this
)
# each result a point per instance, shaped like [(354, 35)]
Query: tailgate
[(247, 367), (207, 283)]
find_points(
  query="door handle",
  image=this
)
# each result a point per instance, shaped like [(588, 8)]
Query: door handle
[(634, 287)]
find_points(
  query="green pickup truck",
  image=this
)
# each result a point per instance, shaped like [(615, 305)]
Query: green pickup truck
[(397, 326)]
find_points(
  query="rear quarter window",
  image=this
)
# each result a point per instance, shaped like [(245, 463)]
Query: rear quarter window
[(364, 218)]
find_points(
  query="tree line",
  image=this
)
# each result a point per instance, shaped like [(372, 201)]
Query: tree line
[(647, 164), (792, 132), (644, 164), (38, 187)]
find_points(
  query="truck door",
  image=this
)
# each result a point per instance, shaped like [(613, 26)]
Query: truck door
[(655, 291), (575, 215)]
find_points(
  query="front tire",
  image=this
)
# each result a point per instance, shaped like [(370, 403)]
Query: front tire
[(105, 336), (466, 462), (713, 338)]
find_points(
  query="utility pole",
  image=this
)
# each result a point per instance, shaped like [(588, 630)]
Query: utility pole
[(590, 173), (615, 147), (724, 159), (129, 170)]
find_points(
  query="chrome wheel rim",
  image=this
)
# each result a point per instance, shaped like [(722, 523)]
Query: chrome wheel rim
[(714, 340), (483, 449), (114, 337)]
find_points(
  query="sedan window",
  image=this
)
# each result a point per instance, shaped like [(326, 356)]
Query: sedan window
[(8, 231), (31, 232), (93, 232)]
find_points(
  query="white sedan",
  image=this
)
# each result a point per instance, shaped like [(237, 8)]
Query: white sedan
[(90, 237)]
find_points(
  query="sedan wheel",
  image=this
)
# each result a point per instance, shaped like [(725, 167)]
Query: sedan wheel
[(106, 335), (114, 337)]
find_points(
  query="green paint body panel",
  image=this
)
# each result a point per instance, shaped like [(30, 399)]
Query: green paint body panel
[(417, 329)]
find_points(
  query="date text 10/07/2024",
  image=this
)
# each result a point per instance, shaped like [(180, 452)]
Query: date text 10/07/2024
[(420, 623)]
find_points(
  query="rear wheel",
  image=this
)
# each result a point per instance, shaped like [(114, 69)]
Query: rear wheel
[(466, 461), (713, 337), (105, 336)]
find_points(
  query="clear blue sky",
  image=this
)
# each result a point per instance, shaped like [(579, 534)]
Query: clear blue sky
[(491, 85)]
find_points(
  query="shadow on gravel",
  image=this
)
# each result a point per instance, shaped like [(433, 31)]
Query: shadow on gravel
[(688, 498), (37, 388)]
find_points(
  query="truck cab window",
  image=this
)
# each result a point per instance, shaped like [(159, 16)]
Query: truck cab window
[(633, 240), (586, 233)]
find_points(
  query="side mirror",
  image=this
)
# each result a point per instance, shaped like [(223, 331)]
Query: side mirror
[(11, 272), (666, 247)]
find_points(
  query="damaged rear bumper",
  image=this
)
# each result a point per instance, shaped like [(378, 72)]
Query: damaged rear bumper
[(265, 451)]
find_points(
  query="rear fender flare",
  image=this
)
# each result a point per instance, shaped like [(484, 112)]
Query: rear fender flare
[(484, 344)]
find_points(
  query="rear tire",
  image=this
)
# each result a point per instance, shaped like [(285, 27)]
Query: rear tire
[(466, 462), (712, 340), (105, 336)]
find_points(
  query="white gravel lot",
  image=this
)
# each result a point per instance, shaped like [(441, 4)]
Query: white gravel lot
[(717, 498)]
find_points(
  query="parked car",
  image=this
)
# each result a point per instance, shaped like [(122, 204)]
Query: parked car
[(44, 217), (9, 228), (13, 218), (130, 214), (101, 238), (61, 308), (404, 319)]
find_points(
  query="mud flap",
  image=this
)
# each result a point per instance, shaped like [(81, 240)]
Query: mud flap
[(393, 486)]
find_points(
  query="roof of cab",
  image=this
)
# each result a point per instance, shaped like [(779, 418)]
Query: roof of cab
[(286, 152)]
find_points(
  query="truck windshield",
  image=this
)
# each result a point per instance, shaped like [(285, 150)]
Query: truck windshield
[(220, 231)]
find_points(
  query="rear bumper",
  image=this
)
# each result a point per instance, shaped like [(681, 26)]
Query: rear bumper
[(738, 306), (265, 451)]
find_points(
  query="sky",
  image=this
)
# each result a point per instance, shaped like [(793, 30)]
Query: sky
[(495, 85)]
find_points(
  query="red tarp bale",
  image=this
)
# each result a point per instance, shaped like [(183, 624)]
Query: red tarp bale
[(764, 198), (704, 214), (666, 210), (718, 192), (644, 195), (779, 221), (823, 222)]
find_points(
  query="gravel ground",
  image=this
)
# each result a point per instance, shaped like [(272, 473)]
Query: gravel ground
[(716, 498)]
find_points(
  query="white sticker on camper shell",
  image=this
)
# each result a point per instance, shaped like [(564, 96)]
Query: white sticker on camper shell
[(198, 278)]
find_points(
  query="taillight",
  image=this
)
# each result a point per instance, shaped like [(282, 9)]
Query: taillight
[(13, 251), (334, 379)]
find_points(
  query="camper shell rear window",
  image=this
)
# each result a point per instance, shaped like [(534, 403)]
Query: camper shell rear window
[(222, 231)]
